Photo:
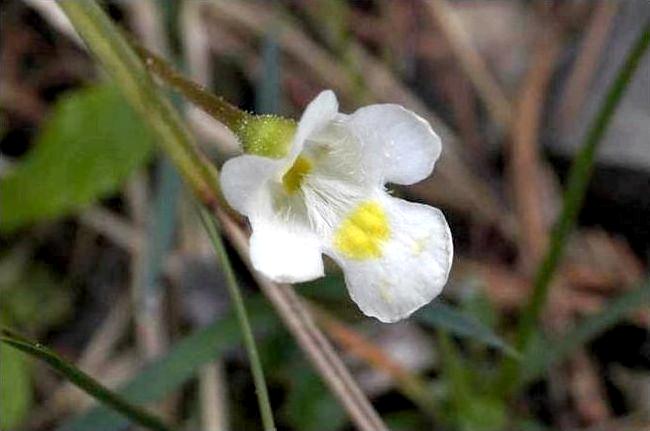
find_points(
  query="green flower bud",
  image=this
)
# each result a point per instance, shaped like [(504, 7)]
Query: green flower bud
[(266, 135)]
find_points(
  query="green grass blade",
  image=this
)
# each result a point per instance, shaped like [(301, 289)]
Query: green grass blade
[(579, 176), (442, 316), (135, 414), (242, 316), (551, 352), (178, 366), (269, 85)]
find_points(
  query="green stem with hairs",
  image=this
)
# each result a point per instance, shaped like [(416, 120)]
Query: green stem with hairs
[(217, 107), (262, 135), (577, 182)]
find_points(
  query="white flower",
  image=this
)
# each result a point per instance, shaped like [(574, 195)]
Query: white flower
[(327, 196)]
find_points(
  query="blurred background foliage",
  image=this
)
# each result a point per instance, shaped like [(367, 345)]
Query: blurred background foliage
[(103, 259)]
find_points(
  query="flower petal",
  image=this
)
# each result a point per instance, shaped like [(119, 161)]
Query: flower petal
[(285, 253), (317, 115), (398, 142), (243, 179), (395, 277)]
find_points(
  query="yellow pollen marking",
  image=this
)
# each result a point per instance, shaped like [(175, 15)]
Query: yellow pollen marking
[(384, 293), (363, 232), (292, 179), (419, 245)]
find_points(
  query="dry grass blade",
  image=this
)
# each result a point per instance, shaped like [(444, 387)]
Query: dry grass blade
[(357, 345), (586, 63), (116, 228), (527, 169), (471, 62), (587, 390)]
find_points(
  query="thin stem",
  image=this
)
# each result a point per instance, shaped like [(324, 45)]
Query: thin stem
[(82, 380), (216, 106), (249, 341), (579, 176)]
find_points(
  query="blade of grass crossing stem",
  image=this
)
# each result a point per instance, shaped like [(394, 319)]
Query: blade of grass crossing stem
[(249, 340), (579, 176), (86, 383)]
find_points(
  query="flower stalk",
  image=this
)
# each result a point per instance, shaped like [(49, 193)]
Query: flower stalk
[(262, 135), (238, 301), (231, 116)]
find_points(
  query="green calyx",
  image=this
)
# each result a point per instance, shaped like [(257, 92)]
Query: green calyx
[(266, 135)]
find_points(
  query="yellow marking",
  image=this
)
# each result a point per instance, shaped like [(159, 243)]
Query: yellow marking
[(384, 293), (419, 245), (363, 232), (293, 178)]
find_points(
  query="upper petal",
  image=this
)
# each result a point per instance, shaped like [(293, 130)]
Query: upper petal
[(390, 279), (397, 142), (244, 179), (317, 115), (284, 252)]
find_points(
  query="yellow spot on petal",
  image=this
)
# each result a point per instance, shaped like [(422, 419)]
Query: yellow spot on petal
[(363, 232), (384, 292), (419, 245), (292, 179)]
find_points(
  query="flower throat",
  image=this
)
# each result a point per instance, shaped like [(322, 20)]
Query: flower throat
[(293, 178)]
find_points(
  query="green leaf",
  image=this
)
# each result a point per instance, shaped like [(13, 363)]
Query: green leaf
[(444, 316), (545, 353), (468, 408), (174, 369), (35, 300), (83, 381), (15, 388), (309, 406), (481, 413), (89, 145)]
